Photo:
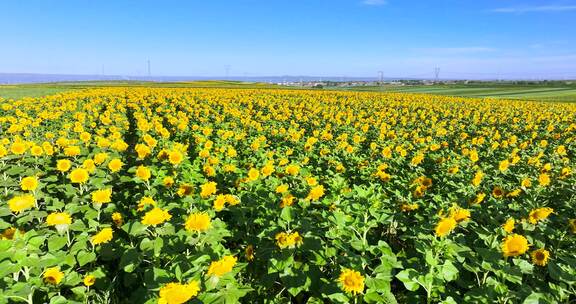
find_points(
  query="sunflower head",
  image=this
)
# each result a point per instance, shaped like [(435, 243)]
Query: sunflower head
[(89, 280), (540, 257), (351, 281), (177, 293), (79, 176), (445, 226), (53, 275), (514, 245), (198, 222)]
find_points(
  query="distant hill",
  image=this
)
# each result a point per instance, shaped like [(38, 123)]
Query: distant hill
[(17, 78)]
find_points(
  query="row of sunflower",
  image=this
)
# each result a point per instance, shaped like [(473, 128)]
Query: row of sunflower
[(149, 195)]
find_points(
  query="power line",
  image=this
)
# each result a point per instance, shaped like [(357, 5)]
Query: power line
[(227, 70), (436, 74)]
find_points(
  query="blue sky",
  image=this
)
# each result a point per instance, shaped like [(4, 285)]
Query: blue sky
[(402, 38)]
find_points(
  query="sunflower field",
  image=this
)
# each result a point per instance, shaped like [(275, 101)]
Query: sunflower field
[(143, 195)]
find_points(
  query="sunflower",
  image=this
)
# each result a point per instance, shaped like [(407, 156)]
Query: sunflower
[(281, 188), (175, 157), (177, 293), (79, 176), (208, 189), (185, 189), (503, 166), (142, 150), (102, 196), (288, 240), (58, 219), (222, 266), (117, 219), (409, 207), (445, 226), (232, 200), (9, 233), (100, 158), (267, 170), (89, 280), (479, 198), (292, 170), (526, 183), (514, 245), (514, 193), (477, 178), (453, 170), (53, 275), (539, 214), (219, 202), (198, 222), (498, 192), (253, 174), (145, 201), (102, 237), (143, 173), (509, 225), (72, 151), (544, 179), (115, 165), (287, 200), (540, 257), (352, 281), (168, 181), (29, 183), (20, 203), (18, 148), (89, 165), (572, 225), (315, 193), (63, 165), (249, 252), (459, 214), (156, 217)]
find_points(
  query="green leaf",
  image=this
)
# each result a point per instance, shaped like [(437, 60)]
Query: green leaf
[(6, 268), (535, 298), (338, 297), (449, 300), (449, 271), (373, 297), (79, 291), (58, 300), (232, 293), (130, 260), (380, 283), (524, 265), (56, 242), (430, 259), (408, 277), (135, 228), (85, 257), (286, 214), (158, 244)]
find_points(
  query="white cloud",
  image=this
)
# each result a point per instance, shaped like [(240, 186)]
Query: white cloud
[(530, 9), (374, 2)]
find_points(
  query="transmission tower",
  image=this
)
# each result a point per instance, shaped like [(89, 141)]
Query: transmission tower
[(227, 70), (436, 74), (381, 76)]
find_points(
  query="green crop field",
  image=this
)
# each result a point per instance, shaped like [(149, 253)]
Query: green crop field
[(39, 90), (565, 93), (537, 92)]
